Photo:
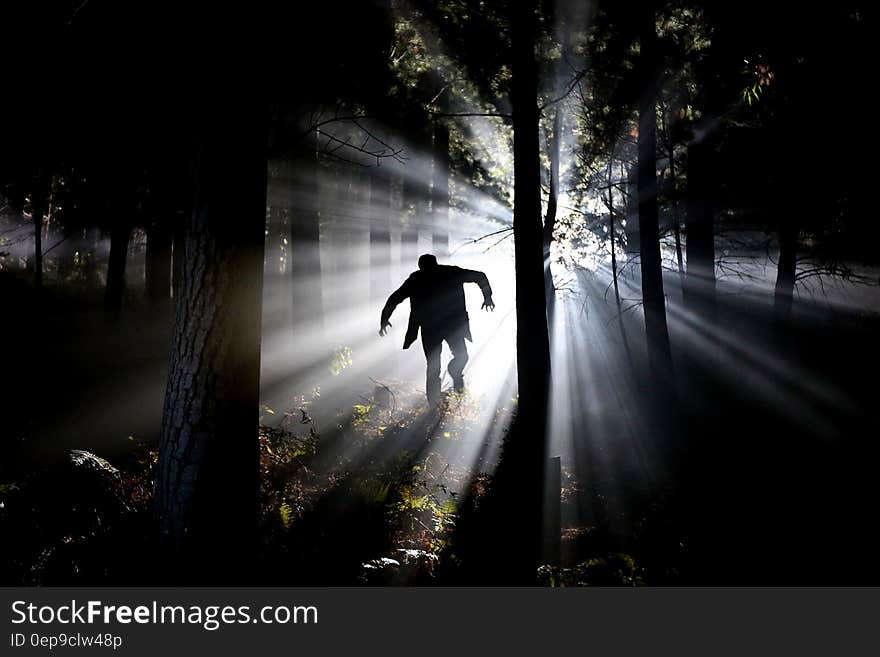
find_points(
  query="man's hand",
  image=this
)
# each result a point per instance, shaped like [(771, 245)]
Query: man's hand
[(488, 304), (383, 328)]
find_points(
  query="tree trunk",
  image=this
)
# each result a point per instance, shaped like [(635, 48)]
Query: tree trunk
[(158, 263), (504, 544), (612, 234), (380, 238), (679, 254), (207, 476), (673, 194), (653, 300), (178, 255), (275, 234), (410, 221), (699, 291), (120, 235), (440, 191), (305, 248), (38, 207), (550, 217), (786, 271), (524, 450), (346, 269), (631, 212)]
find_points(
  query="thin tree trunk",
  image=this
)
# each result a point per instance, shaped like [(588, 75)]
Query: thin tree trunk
[(275, 230), (679, 255), (550, 216), (562, 19), (410, 221), (207, 476), (157, 263), (120, 236), (669, 146), (352, 211), (649, 221), (786, 271), (409, 247), (440, 191), (612, 233), (93, 237), (699, 291), (631, 212), (613, 237), (380, 238), (305, 248), (38, 206), (178, 255)]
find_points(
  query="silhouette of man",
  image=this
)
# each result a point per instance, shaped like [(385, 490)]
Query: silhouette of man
[(437, 307)]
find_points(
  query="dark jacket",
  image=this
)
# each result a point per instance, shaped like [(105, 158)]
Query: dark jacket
[(436, 298)]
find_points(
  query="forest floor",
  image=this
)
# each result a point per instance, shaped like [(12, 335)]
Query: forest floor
[(767, 480)]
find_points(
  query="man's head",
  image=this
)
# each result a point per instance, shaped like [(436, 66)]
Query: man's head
[(427, 261)]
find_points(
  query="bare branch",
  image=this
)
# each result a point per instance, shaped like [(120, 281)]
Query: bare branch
[(336, 119), (346, 143), (492, 246), (574, 82), (465, 114)]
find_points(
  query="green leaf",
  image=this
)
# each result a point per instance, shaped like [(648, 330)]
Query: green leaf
[(286, 513)]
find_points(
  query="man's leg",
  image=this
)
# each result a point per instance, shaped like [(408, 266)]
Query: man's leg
[(458, 346), (432, 349)]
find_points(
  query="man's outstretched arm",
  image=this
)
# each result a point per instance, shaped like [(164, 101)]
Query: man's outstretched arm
[(478, 277), (394, 300)]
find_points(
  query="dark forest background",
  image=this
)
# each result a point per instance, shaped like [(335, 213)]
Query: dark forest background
[(203, 209)]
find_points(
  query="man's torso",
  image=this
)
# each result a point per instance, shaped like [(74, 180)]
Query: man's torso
[(437, 303)]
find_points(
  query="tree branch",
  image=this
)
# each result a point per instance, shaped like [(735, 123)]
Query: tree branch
[(574, 82)]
